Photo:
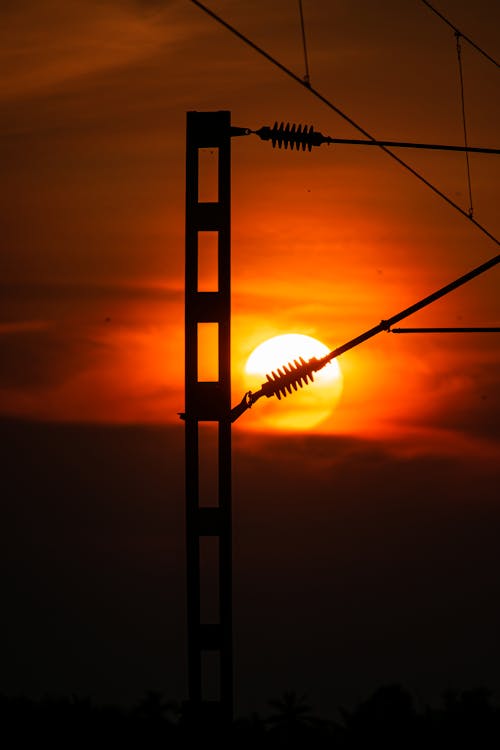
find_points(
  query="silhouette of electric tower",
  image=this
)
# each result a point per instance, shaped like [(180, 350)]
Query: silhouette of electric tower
[(208, 401)]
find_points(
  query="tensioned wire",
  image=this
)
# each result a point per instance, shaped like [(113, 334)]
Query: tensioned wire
[(464, 124), (457, 31), (298, 373), (344, 116)]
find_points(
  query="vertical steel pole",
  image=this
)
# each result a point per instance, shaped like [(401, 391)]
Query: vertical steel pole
[(208, 402)]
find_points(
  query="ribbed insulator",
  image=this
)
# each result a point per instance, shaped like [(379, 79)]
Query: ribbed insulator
[(295, 136), (294, 375)]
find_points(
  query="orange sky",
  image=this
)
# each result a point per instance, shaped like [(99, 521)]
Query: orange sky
[(365, 551), (326, 244)]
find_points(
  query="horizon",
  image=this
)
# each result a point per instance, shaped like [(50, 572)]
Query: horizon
[(387, 509)]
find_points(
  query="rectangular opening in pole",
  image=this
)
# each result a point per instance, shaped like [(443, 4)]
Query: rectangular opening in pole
[(208, 352), (209, 580), (208, 261), (210, 676), (208, 468), (208, 175)]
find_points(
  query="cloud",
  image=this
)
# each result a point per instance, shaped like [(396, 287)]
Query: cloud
[(23, 326), (34, 358), (79, 325), (81, 292), (468, 401), (96, 352), (49, 45)]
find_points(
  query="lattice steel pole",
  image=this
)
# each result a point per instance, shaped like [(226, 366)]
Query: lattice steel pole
[(208, 401)]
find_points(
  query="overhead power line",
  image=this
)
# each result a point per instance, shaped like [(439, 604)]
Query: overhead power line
[(344, 116), (467, 329), (304, 45), (464, 123), (386, 325), (304, 137), (296, 374), (457, 31)]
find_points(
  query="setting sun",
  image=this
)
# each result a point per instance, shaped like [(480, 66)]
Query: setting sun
[(304, 408)]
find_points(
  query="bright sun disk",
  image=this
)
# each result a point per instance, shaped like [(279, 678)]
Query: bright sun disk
[(304, 408)]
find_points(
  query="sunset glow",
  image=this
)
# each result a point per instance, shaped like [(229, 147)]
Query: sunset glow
[(160, 524), (309, 405)]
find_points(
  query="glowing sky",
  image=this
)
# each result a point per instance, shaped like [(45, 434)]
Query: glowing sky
[(366, 548), (326, 244)]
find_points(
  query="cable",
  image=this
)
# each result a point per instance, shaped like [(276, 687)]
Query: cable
[(343, 115), (467, 39), (462, 98), (385, 325), (305, 137), (281, 381), (468, 329), (306, 77)]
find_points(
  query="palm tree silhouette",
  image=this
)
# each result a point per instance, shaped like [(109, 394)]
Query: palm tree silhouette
[(153, 707), (292, 718)]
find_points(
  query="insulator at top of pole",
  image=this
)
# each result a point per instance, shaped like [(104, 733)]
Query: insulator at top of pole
[(305, 137), (295, 136)]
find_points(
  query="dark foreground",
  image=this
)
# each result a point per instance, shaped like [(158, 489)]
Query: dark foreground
[(388, 718)]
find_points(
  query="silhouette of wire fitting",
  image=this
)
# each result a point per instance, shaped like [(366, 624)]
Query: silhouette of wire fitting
[(304, 137), (281, 382), (294, 375), (295, 136), (235, 132)]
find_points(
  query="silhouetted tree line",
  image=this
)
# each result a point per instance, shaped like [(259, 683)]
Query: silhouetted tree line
[(388, 718)]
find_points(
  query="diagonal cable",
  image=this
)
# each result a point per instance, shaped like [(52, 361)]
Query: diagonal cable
[(344, 116), (464, 124), (307, 79), (299, 373), (457, 31)]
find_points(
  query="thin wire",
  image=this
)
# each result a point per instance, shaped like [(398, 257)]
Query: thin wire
[(343, 115), (307, 80), (298, 135), (407, 144), (468, 329), (462, 97), (467, 39), (385, 325)]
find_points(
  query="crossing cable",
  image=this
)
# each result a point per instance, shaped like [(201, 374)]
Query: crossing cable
[(457, 31), (297, 374), (307, 80), (462, 97), (343, 115), (304, 137), (455, 329)]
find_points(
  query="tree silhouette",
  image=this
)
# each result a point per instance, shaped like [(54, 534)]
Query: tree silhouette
[(387, 717), (249, 731), (469, 717), (153, 707), (292, 719)]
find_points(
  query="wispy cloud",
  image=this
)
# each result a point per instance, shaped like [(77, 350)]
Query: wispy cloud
[(23, 326), (49, 45)]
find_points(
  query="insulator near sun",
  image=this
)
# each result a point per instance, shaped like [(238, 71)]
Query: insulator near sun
[(279, 367), (281, 364)]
